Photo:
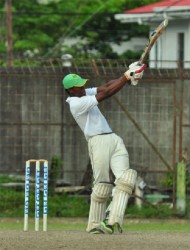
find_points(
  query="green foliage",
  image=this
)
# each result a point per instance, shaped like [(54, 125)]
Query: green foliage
[(149, 211), (12, 204), (63, 205), (2, 48), (129, 54), (130, 4), (41, 26), (106, 52), (24, 45), (168, 180), (54, 173), (187, 178), (11, 178), (188, 208)]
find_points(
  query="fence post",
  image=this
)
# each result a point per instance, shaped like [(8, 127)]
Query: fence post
[(181, 188)]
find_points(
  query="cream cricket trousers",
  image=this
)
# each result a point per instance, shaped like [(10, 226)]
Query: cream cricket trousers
[(107, 151)]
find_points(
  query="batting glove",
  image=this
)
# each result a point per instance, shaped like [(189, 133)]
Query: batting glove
[(135, 72)]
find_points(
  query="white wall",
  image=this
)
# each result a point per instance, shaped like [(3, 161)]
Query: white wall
[(135, 44), (166, 47)]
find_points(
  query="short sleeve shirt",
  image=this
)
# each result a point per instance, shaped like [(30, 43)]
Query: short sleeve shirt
[(87, 115)]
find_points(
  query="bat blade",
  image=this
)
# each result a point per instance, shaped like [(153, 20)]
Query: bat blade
[(153, 38)]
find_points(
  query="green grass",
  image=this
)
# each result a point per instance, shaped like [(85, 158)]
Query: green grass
[(157, 227), (18, 225), (80, 225)]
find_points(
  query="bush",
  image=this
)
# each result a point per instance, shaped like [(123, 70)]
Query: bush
[(149, 211), (12, 204)]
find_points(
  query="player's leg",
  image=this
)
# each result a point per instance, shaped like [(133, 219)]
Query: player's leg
[(101, 192), (125, 181), (99, 148), (122, 193), (102, 187)]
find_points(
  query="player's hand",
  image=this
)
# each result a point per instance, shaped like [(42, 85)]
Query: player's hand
[(135, 72)]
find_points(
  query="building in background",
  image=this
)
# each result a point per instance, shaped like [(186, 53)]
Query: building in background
[(174, 43)]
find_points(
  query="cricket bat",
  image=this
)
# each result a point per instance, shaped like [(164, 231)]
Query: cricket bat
[(152, 39)]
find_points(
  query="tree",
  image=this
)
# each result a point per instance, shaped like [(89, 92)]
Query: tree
[(40, 26)]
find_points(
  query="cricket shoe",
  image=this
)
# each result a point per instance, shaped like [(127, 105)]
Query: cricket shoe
[(110, 228), (106, 227), (96, 231)]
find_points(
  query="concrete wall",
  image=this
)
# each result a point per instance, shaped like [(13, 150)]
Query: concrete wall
[(35, 122)]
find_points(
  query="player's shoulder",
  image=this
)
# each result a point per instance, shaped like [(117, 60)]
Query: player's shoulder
[(73, 101), (91, 91)]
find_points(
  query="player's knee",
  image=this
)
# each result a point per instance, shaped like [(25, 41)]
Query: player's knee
[(101, 192), (127, 181)]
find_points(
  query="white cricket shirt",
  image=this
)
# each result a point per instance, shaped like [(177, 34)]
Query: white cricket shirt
[(87, 115)]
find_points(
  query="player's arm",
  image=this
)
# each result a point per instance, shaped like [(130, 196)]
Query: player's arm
[(131, 76), (111, 88)]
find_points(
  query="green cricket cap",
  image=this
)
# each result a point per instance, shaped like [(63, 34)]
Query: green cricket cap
[(73, 80)]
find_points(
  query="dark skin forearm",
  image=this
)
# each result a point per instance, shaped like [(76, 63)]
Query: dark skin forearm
[(110, 88)]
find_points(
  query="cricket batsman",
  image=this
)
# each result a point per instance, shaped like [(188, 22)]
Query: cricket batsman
[(106, 149)]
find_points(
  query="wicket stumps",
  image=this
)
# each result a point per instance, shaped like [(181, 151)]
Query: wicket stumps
[(37, 194)]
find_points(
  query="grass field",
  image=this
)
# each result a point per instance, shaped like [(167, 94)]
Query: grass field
[(80, 224)]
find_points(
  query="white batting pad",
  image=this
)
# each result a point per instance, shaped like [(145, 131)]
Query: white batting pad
[(122, 192), (99, 196)]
